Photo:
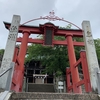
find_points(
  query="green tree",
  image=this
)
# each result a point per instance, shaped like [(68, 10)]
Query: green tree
[(78, 48), (1, 55), (1, 51), (97, 46), (55, 58)]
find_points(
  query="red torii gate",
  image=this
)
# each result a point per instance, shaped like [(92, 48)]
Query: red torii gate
[(55, 31)]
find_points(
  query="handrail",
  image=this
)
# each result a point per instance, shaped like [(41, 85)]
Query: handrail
[(5, 95), (9, 76), (5, 71)]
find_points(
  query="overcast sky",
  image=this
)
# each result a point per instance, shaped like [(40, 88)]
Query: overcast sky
[(74, 11)]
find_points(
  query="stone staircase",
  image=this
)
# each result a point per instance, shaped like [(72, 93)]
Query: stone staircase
[(49, 95), (40, 87), (52, 96)]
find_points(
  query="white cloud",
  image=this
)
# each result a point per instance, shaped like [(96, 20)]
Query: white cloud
[(71, 10)]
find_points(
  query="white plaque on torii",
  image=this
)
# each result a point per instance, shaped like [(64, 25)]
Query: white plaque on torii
[(9, 49)]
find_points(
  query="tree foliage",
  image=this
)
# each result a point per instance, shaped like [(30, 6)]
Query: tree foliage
[(1, 55), (54, 58), (78, 48), (1, 51), (97, 46)]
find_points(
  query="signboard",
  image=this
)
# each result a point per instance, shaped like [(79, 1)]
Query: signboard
[(48, 37), (60, 83), (60, 87)]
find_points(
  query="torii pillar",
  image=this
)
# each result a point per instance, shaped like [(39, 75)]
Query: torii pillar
[(72, 61), (19, 73)]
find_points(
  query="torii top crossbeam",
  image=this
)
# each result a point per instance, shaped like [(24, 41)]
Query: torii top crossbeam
[(40, 30)]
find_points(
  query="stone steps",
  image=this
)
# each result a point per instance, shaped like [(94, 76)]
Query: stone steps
[(52, 96), (40, 87)]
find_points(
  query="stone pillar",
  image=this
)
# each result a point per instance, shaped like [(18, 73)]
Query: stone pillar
[(72, 61), (90, 53), (9, 50)]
